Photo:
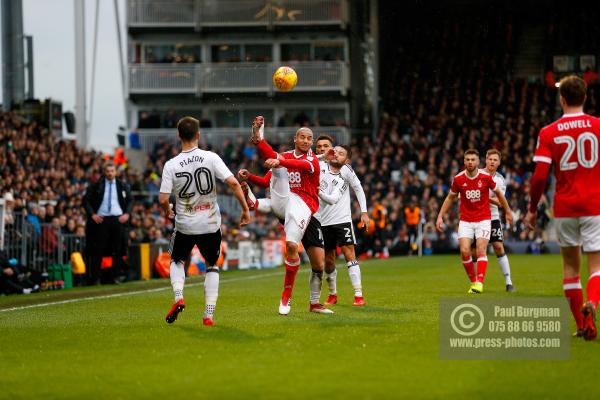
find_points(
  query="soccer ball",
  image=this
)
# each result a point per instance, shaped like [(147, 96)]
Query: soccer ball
[(285, 79)]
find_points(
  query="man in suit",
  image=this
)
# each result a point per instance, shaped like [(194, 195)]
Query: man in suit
[(108, 206)]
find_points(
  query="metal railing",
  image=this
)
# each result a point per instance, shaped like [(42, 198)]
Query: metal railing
[(233, 77), (226, 13), (216, 137), (174, 13), (158, 78), (37, 247)]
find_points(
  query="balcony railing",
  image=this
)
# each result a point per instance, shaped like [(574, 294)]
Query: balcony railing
[(215, 13), (313, 76), (216, 137), (157, 78), (158, 13)]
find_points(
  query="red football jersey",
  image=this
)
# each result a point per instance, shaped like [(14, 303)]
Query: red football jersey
[(571, 144), (305, 183), (474, 195)]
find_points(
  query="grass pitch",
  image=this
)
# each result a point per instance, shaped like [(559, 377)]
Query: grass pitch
[(120, 347)]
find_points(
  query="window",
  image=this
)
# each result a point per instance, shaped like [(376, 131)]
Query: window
[(226, 53), (297, 117), (295, 52), (227, 118), (159, 53), (178, 53), (249, 114), (258, 53), (188, 53), (329, 51), (331, 117)]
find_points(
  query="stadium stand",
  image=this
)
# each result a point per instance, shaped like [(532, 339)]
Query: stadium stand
[(452, 90)]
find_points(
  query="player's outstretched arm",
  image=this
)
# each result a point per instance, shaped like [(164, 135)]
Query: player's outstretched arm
[(332, 198), (350, 177), (302, 165), (163, 201), (235, 187), (538, 184), (445, 207), (261, 181), (354, 182), (494, 201), (166, 187), (504, 203)]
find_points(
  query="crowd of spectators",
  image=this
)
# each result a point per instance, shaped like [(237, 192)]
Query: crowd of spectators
[(449, 87)]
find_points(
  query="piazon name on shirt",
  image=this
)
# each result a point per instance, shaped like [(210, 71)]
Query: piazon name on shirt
[(190, 160)]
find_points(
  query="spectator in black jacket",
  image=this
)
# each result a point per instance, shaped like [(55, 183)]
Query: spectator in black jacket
[(108, 206)]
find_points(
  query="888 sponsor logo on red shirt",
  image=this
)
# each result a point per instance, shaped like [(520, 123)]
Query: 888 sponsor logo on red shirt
[(473, 195)]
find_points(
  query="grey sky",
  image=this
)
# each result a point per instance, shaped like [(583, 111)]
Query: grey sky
[(51, 23)]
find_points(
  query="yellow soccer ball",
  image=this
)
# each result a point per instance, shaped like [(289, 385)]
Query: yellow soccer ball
[(285, 79)]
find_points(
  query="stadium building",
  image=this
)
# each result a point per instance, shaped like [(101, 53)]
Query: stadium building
[(214, 60)]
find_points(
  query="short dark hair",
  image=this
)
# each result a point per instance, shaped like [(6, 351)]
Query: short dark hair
[(107, 164), (348, 150), (471, 151), (187, 128), (572, 88), (325, 137)]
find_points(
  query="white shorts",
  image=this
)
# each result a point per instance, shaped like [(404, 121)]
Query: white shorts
[(579, 231), (297, 217), (477, 230)]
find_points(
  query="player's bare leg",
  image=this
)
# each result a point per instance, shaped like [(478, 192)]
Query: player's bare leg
[(177, 275), (572, 284), (317, 262), (211, 294), (593, 296), (354, 273), (331, 274), (504, 265), (465, 254)]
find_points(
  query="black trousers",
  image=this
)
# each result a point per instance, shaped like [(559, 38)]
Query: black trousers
[(107, 240)]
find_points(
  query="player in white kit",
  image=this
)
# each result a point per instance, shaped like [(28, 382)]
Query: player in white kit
[(493, 158), (283, 182), (191, 177), (335, 215)]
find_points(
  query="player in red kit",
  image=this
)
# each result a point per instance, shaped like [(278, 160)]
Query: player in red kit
[(296, 173), (473, 186), (571, 145)]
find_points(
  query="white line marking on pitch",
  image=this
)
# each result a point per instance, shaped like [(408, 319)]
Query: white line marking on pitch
[(109, 296)]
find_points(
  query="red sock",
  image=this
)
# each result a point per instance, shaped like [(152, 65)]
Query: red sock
[(469, 268), (481, 268), (593, 289), (291, 269), (573, 292)]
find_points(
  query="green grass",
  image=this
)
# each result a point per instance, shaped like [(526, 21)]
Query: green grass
[(121, 348)]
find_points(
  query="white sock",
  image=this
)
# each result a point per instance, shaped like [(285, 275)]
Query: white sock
[(211, 291), (264, 206), (177, 274), (505, 267), (332, 282), (316, 281), (280, 191), (354, 272)]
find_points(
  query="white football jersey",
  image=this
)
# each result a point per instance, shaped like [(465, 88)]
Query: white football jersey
[(191, 177), (334, 197), (501, 184)]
